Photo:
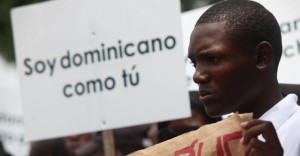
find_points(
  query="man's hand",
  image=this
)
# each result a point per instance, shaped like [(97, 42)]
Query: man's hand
[(255, 147)]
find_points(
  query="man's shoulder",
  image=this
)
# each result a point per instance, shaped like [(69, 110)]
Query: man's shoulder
[(289, 135), (292, 124)]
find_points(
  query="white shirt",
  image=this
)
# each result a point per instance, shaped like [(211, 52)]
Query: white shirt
[(285, 116)]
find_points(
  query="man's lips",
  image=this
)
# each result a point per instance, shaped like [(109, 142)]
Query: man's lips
[(205, 95)]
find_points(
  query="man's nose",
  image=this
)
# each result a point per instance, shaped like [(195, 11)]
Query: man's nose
[(200, 75)]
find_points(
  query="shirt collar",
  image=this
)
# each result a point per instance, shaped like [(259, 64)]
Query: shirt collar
[(284, 109)]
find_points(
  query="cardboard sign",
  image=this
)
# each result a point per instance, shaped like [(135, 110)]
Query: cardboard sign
[(288, 16), (95, 65), (218, 139)]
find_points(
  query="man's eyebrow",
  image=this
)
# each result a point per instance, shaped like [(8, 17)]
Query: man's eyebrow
[(197, 54), (204, 53)]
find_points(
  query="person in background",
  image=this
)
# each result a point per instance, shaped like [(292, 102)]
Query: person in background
[(49, 147), (236, 48), (127, 140), (84, 144), (170, 129)]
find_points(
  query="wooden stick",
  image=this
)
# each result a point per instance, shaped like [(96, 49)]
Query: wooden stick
[(108, 143)]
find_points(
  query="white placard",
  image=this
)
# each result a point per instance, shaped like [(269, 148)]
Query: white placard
[(94, 65), (11, 118), (288, 16)]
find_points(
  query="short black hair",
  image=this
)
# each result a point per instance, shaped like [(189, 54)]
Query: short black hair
[(246, 21)]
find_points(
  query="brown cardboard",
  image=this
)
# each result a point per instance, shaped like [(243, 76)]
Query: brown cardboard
[(218, 139)]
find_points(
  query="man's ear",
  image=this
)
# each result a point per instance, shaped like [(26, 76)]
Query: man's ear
[(264, 55)]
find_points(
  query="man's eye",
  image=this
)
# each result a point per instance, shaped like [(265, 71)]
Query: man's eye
[(213, 59)]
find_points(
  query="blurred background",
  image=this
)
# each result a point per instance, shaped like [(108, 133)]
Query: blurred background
[(11, 121)]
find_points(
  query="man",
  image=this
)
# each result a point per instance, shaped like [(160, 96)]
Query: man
[(235, 48)]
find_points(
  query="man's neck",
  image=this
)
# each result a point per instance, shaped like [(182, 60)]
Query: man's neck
[(267, 101)]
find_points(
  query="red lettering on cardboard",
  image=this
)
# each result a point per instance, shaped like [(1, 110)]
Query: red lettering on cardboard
[(187, 150), (219, 146), (221, 140), (200, 148), (226, 139)]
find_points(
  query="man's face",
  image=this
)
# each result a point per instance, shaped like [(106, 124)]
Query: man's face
[(224, 70)]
